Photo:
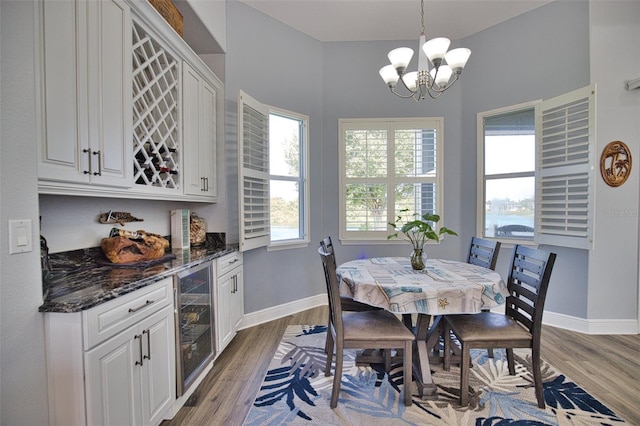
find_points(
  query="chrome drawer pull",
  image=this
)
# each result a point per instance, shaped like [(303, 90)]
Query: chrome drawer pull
[(139, 336), (148, 302), (148, 356)]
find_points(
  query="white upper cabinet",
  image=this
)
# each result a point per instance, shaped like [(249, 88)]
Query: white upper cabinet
[(119, 119), (199, 134), (86, 66)]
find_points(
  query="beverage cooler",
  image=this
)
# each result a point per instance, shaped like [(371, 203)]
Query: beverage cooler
[(195, 336)]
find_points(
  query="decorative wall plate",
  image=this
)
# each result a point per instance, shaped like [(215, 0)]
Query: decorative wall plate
[(615, 163)]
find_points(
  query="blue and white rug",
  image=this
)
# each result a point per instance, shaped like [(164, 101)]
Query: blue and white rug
[(295, 391)]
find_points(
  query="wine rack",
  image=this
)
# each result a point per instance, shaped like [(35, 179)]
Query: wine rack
[(155, 113)]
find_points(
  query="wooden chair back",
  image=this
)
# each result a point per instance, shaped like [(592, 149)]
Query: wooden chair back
[(333, 290), (483, 252), (529, 276)]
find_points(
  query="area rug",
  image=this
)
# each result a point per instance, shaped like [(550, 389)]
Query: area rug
[(295, 391)]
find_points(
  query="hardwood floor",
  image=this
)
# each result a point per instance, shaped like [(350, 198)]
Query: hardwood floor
[(608, 367)]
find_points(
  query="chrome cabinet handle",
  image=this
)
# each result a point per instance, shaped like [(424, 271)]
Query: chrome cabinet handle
[(87, 151), (139, 336), (148, 355), (147, 303), (99, 154)]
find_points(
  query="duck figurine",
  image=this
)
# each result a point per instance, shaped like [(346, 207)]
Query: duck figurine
[(121, 218)]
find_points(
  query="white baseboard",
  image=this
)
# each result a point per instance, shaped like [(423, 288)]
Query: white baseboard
[(275, 312), (591, 326), (567, 322)]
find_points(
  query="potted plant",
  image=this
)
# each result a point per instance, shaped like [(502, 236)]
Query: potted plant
[(418, 231)]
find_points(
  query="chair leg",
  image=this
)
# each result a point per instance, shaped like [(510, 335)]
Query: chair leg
[(511, 361), (490, 352), (537, 377), (329, 350), (337, 377), (408, 375), (464, 376)]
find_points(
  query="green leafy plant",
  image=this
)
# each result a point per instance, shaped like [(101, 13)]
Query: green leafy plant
[(419, 230)]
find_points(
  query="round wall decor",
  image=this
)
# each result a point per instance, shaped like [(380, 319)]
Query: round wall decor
[(615, 163)]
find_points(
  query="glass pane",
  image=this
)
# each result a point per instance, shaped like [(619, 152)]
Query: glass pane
[(509, 209), (366, 153), (285, 211), (284, 146), (417, 197), (415, 152), (509, 154), (366, 207)]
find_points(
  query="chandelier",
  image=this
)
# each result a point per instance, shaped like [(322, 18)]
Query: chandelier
[(445, 71)]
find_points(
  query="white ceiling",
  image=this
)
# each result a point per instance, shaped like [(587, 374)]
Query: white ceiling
[(365, 20)]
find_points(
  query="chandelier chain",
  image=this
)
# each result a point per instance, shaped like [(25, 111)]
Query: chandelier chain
[(422, 14)]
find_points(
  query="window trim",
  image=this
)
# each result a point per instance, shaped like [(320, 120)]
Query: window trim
[(380, 237), (261, 177), (304, 177), (481, 178)]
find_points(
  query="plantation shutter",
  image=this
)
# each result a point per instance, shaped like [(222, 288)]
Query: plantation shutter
[(253, 172), (565, 167)]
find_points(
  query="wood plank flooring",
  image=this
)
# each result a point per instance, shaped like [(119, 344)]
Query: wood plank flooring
[(608, 367)]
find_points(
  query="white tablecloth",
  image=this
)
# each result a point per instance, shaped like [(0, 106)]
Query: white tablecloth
[(442, 287)]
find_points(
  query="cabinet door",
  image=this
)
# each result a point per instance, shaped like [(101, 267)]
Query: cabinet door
[(225, 330), (113, 381), (199, 104), (110, 114), (237, 299), (207, 145), (87, 92), (158, 371), (61, 155)]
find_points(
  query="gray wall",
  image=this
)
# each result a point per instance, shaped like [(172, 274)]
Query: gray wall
[(538, 55), (23, 391), (279, 66), (541, 54)]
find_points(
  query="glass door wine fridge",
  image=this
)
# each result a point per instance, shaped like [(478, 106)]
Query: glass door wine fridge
[(195, 337)]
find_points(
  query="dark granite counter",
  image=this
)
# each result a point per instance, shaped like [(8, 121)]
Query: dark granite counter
[(82, 279)]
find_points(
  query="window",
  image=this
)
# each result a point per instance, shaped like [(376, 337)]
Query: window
[(273, 185), (287, 136), (507, 160), (387, 165), (536, 171)]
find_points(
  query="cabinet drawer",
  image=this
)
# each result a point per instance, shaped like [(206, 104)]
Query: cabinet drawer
[(110, 318), (227, 262)]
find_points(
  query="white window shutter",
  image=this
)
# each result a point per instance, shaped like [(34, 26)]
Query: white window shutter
[(565, 167), (253, 172)]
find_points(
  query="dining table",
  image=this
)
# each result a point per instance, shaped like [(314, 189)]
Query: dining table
[(443, 287)]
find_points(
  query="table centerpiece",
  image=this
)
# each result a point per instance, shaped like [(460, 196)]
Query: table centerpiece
[(418, 231)]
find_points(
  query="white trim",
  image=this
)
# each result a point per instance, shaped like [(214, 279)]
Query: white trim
[(587, 326), (567, 322), (280, 311), (480, 179)]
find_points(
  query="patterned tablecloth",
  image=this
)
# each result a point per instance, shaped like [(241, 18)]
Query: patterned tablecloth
[(443, 287)]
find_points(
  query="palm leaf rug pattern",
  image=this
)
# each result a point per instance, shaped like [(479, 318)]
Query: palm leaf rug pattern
[(295, 391)]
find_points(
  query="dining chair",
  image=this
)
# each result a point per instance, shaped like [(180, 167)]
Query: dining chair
[(519, 327), (347, 303), (377, 329), (483, 252)]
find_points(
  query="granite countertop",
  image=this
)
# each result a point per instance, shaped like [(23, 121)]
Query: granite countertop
[(82, 279)]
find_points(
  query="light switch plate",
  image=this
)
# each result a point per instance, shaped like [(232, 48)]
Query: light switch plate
[(20, 239)]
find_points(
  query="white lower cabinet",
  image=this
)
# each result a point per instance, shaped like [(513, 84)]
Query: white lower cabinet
[(128, 377), (230, 297)]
